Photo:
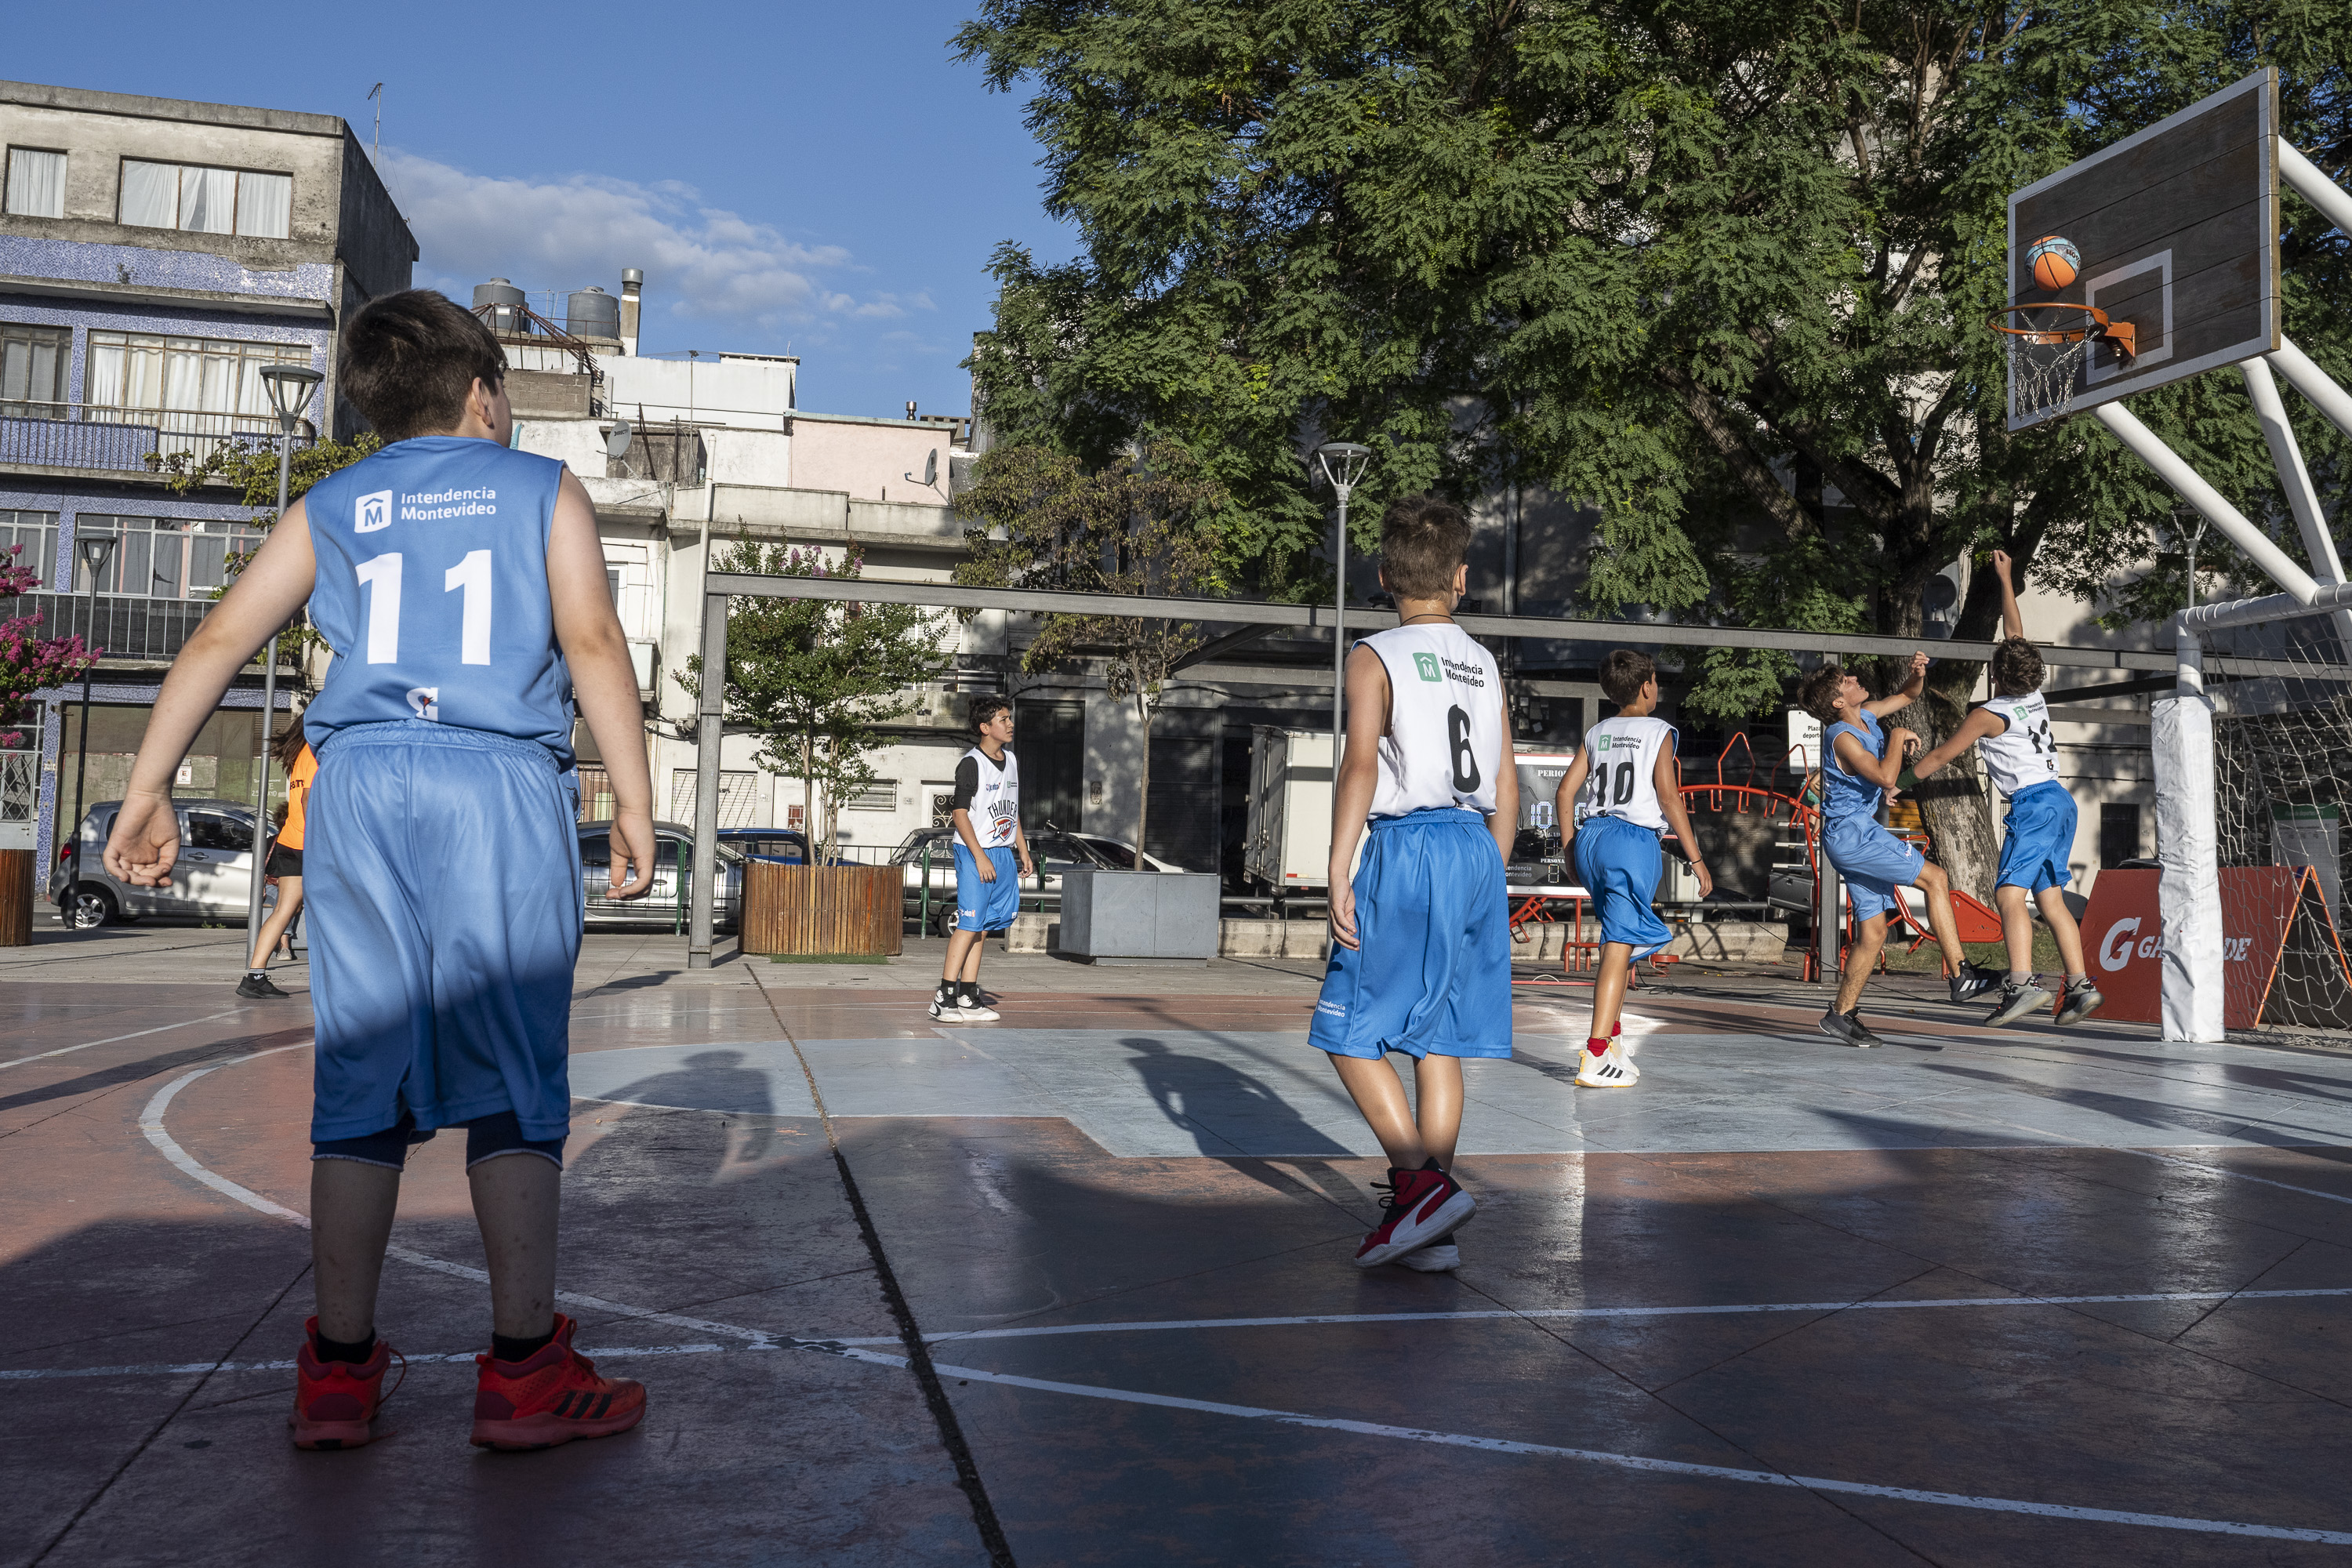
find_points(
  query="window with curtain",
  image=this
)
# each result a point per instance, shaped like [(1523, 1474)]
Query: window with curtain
[(165, 557), (36, 532), (195, 390), (199, 199), (36, 182), (33, 370)]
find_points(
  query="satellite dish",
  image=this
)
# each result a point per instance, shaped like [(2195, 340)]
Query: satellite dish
[(616, 444), (1941, 594), (931, 471)]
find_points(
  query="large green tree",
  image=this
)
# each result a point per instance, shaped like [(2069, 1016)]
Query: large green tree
[(1718, 268)]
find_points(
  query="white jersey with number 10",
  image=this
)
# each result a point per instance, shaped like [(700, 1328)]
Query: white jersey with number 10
[(1625, 779), (1445, 740)]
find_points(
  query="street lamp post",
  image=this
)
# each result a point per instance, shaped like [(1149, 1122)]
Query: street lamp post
[(291, 386), (95, 549), (1343, 464)]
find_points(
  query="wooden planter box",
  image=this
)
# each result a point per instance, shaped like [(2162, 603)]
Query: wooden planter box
[(853, 910)]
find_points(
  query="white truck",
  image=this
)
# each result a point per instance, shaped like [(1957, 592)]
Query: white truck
[(1289, 843)]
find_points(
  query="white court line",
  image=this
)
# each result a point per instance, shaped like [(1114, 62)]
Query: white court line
[(2239, 1175), (67, 1050), (151, 1122)]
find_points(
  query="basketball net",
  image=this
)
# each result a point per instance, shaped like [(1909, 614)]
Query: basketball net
[(2044, 369)]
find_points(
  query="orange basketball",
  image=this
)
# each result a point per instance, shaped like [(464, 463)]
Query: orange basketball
[(2055, 262)]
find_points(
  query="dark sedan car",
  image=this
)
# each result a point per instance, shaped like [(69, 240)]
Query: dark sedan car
[(667, 902)]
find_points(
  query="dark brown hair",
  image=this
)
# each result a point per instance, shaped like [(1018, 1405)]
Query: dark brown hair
[(1817, 693), (984, 709), (2016, 668), (1624, 674), (287, 746), (1423, 541), (410, 359)]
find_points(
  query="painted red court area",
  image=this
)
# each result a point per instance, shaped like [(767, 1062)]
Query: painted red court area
[(2037, 1297)]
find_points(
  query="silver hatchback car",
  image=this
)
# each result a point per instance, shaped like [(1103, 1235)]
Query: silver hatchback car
[(212, 878)]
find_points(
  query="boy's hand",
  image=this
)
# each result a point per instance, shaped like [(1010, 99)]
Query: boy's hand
[(1343, 913), (1919, 665), (985, 864), (1705, 880), (2000, 564), (145, 841), (1901, 742), (1028, 866), (633, 841)]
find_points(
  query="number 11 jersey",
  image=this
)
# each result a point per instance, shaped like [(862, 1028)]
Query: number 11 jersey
[(1445, 739), (431, 590), (1624, 781)]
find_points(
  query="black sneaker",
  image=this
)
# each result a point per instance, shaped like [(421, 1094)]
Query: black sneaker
[(2081, 1002), (1847, 1029), (256, 987), (1972, 982)]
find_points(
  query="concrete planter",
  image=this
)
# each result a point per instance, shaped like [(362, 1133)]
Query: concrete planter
[(1139, 917)]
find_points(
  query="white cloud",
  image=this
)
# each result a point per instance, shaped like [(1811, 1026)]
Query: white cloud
[(700, 261)]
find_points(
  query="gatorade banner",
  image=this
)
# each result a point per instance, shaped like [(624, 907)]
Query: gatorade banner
[(2283, 962)]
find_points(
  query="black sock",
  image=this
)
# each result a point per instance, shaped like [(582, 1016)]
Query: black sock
[(969, 989), (505, 1349), (356, 1352)]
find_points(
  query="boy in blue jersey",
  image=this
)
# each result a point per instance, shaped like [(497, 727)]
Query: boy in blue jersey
[(1636, 794), (1860, 762), (2012, 733), (461, 586), (1421, 936)]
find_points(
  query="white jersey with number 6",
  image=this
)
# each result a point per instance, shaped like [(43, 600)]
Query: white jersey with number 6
[(1445, 740), (1624, 780)]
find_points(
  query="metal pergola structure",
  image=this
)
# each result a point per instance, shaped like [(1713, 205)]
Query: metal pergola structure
[(1261, 616)]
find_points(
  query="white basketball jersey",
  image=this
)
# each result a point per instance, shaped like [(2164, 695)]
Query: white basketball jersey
[(1445, 740), (995, 804), (2026, 753), (1624, 780)]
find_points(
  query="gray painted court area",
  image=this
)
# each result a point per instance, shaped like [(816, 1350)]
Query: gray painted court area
[(1155, 1092)]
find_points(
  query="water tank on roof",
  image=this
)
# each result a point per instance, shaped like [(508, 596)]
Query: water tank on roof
[(592, 313), (506, 305)]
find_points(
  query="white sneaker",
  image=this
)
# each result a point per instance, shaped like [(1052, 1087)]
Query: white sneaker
[(1608, 1070), (1442, 1258), (973, 1010)]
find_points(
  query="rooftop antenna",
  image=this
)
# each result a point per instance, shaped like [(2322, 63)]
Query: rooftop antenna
[(377, 94)]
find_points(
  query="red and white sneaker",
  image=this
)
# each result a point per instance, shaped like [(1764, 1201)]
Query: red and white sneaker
[(1610, 1070), (335, 1401), (1423, 1206), (550, 1397)]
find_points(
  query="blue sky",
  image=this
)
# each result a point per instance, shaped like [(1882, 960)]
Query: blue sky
[(821, 177)]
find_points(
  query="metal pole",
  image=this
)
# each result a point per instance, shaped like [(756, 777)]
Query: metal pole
[(1340, 647), (711, 707), (81, 761), (268, 716)]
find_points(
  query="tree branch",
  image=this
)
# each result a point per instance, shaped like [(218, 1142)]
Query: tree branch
[(1714, 422)]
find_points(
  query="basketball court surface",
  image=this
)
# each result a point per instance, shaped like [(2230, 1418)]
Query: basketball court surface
[(2028, 1299)]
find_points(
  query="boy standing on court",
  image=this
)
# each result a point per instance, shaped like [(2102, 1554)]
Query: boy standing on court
[(987, 819), (1613, 828), (1420, 952), (1860, 763), (462, 588), (2012, 734)]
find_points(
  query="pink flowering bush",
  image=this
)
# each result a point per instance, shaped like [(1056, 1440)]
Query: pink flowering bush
[(28, 661)]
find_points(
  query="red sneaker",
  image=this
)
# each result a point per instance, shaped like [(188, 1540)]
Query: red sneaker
[(1421, 1206), (335, 1400), (550, 1397)]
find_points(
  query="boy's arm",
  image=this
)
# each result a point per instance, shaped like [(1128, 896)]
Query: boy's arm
[(1666, 779), (1358, 778), (1984, 722), (273, 585), (984, 867), (1563, 803), (1883, 705), (2012, 624), (1504, 823), (1021, 848), (1880, 771), (603, 682)]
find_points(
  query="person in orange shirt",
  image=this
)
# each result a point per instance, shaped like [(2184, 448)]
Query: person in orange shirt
[(292, 753)]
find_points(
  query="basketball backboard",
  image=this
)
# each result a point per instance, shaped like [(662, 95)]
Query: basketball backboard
[(2178, 227)]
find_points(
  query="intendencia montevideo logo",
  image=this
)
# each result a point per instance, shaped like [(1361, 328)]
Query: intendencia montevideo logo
[(1427, 664), (433, 506)]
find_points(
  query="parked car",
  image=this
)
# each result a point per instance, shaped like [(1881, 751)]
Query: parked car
[(788, 846), (667, 902), (211, 879), (1054, 849)]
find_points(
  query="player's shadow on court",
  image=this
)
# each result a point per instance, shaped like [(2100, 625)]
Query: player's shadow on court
[(1226, 1111), (713, 1080)]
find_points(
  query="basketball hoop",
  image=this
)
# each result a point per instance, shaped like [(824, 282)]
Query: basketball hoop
[(2047, 346)]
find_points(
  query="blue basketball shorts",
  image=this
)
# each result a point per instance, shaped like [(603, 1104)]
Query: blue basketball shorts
[(1873, 863), (1619, 863), (1433, 974), (445, 900), (986, 906), (2038, 838)]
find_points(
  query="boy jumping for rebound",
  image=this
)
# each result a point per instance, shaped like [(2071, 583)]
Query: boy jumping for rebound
[(2012, 734), (988, 836), (1420, 954), (1860, 763), (462, 588), (1614, 830)]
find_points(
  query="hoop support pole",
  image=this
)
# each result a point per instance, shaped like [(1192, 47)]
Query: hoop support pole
[(2302, 497), (710, 712), (2333, 597), (2169, 466), (2313, 382), (2299, 171)]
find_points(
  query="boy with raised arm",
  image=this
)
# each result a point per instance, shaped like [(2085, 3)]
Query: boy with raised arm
[(2012, 732), (461, 586), (1421, 937), (1860, 763), (1614, 830)]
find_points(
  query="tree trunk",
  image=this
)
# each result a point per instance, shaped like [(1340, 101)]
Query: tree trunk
[(1143, 795), (1952, 803), (808, 796)]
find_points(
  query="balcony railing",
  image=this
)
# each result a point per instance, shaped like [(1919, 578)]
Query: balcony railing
[(130, 440), (126, 625)]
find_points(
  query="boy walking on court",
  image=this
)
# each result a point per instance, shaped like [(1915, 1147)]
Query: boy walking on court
[(1421, 951), (987, 819), (1860, 762), (462, 588), (1612, 829), (2012, 734)]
